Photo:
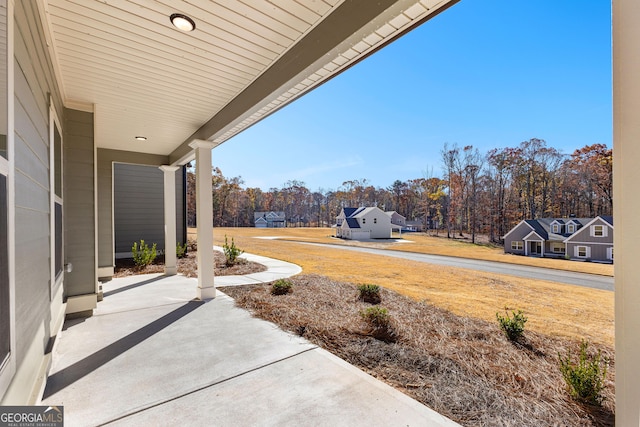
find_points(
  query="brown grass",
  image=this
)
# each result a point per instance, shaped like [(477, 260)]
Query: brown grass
[(426, 244), (554, 309), (461, 367)]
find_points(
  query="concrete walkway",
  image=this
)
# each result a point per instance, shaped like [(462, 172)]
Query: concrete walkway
[(152, 355)]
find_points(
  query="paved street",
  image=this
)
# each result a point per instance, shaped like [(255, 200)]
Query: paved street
[(560, 276)]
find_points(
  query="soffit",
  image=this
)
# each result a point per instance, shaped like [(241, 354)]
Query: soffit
[(124, 59)]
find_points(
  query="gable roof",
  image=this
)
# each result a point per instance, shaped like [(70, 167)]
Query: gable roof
[(607, 219), (538, 228), (352, 223)]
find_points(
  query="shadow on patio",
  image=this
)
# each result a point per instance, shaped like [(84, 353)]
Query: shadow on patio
[(151, 355)]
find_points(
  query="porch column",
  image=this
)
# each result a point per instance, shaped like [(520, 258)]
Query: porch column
[(170, 264), (204, 218), (626, 205)]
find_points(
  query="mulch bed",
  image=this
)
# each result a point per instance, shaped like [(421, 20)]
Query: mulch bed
[(189, 266), (463, 368)]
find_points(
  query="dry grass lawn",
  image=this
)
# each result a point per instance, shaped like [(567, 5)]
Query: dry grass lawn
[(421, 243), (554, 309)]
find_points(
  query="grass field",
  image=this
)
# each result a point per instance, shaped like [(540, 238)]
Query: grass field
[(552, 308)]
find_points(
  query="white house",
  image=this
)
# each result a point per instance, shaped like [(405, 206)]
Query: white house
[(363, 223)]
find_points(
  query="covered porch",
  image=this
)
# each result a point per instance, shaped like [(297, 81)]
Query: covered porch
[(230, 369)]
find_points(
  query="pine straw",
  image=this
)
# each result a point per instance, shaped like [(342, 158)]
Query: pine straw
[(188, 266), (461, 367)]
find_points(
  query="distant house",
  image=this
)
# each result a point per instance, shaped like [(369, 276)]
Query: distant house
[(398, 222), (363, 223), (574, 238), (269, 219)]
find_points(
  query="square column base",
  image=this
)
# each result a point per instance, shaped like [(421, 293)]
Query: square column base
[(206, 293), (170, 271)]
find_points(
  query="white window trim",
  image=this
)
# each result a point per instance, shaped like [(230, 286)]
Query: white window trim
[(54, 122), (610, 253), (605, 232), (555, 228), (571, 228), (587, 251), (8, 370), (519, 245)]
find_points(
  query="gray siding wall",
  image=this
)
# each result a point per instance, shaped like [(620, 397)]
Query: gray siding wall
[(139, 206), (518, 233), (584, 234), (79, 211), (34, 82), (598, 252), (106, 158)]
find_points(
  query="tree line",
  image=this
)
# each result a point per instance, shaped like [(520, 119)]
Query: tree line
[(476, 194)]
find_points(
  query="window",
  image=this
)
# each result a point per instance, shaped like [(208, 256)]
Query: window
[(583, 251), (610, 253), (375, 220), (57, 209), (571, 228), (5, 303), (364, 220), (598, 231), (555, 228), (558, 249), (517, 245)]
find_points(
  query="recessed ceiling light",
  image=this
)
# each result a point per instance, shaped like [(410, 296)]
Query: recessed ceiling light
[(141, 138), (182, 22)]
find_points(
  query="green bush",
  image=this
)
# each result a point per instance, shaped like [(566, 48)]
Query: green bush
[(513, 327), (379, 322), (369, 293), (181, 250), (143, 255), (281, 287), (231, 252), (584, 378)]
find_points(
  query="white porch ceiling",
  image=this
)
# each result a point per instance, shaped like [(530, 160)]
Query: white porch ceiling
[(124, 60)]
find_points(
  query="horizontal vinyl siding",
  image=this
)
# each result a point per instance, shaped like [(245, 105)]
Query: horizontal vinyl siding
[(139, 206), (34, 84), (106, 159), (598, 252), (584, 234), (79, 210)]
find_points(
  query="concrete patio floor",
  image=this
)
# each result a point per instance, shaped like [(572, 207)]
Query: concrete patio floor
[(152, 355)]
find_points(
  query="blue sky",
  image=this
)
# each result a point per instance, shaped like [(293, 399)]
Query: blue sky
[(489, 73)]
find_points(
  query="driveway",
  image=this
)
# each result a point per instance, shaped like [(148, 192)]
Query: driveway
[(560, 276)]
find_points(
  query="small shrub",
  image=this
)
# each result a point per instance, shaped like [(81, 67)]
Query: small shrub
[(192, 244), (379, 322), (181, 250), (231, 252), (513, 327), (143, 255), (281, 287), (584, 378), (369, 293)]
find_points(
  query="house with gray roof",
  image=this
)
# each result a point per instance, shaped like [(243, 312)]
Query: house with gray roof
[(269, 219), (363, 223), (589, 239)]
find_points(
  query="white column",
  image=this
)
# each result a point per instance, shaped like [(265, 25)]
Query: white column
[(626, 206), (204, 218), (170, 260)]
